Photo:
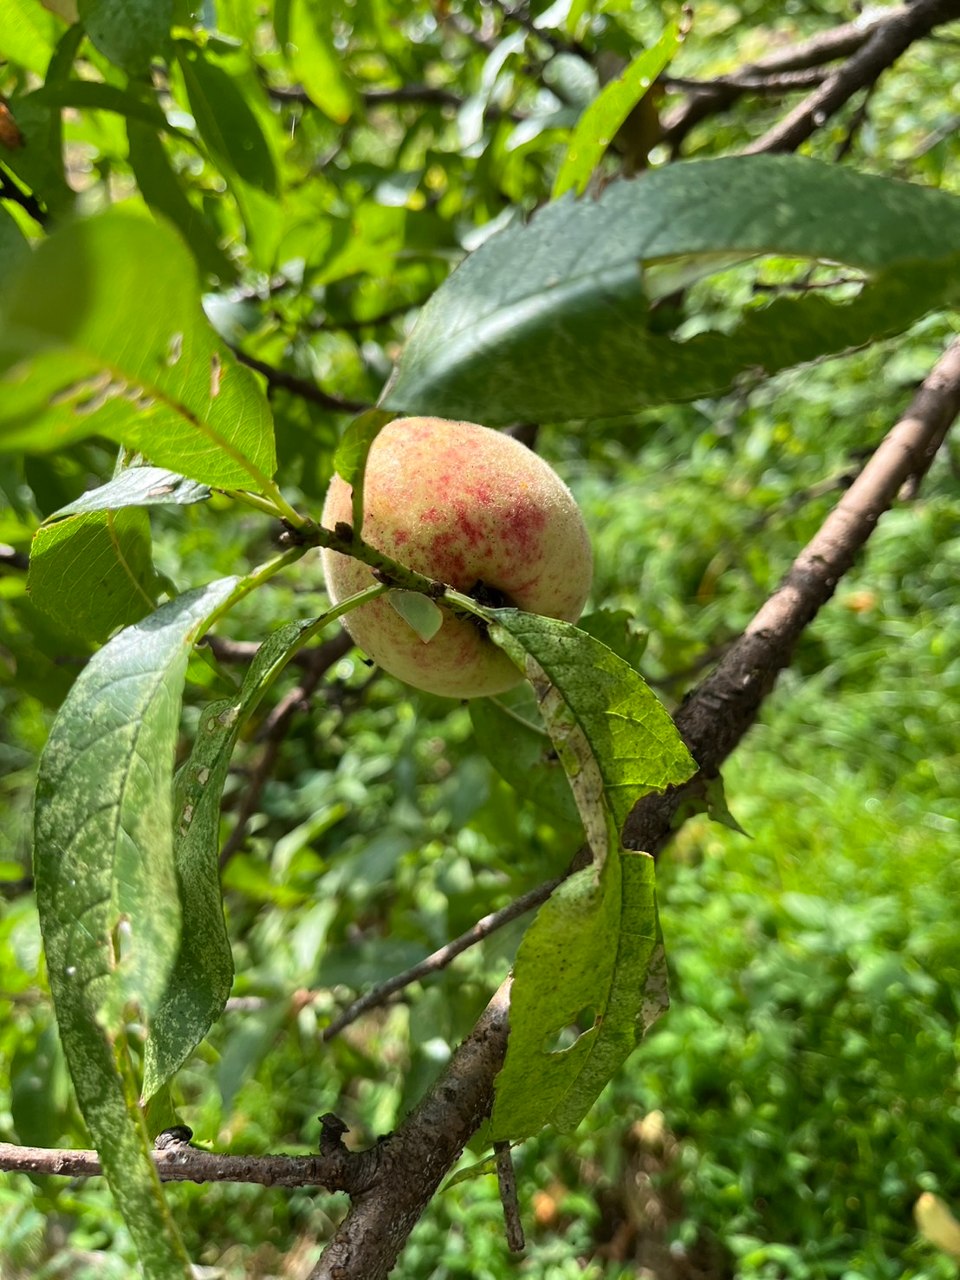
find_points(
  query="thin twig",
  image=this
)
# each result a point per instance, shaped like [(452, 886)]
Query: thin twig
[(742, 82), (11, 558), (335, 1168), (507, 1184), (299, 386), (885, 45), (441, 958), (276, 726)]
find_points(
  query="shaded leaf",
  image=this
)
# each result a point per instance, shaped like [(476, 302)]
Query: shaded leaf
[(350, 458), (91, 95), (95, 340), (202, 974), (14, 248), (614, 737), (511, 734), (161, 187), (619, 631), (509, 334), (128, 32), (106, 888), (93, 572)]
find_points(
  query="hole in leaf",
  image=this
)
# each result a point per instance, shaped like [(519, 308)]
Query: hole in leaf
[(568, 1036)]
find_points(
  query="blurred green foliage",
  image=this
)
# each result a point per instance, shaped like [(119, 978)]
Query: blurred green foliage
[(807, 1074)]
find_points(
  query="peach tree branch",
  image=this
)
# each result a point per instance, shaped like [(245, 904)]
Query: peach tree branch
[(713, 720)]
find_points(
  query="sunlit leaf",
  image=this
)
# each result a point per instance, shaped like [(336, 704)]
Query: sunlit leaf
[(594, 953), (94, 339), (598, 125)]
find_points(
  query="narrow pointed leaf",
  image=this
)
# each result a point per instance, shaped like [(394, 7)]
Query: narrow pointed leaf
[(602, 716), (128, 32), (599, 123), (594, 947), (106, 888), (315, 62), (202, 974), (510, 732)]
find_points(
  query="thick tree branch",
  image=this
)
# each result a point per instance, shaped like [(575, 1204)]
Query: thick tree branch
[(720, 94), (418, 1155), (885, 45), (718, 713), (335, 1168), (713, 720)]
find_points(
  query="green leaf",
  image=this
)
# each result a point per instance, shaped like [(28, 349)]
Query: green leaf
[(137, 487), (619, 631), (314, 60), (38, 163), (510, 335), (598, 125), (350, 458), (14, 248), (616, 740), (202, 975), (93, 572), (27, 34), (161, 188), (420, 613), (91, 95), (225, 119), (594, 952), (94, 339), (106, 887), (511, 734), (128, 32)]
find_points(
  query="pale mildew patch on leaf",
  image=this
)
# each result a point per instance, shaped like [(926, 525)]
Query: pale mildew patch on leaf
[(216, 375), (174, 349)]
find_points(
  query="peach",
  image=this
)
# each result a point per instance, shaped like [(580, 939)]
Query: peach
[(472, 508)]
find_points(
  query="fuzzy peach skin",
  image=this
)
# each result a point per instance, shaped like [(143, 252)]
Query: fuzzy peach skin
[(461, 504)]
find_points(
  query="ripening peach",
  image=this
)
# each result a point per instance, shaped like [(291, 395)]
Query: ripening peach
[(469, 507)]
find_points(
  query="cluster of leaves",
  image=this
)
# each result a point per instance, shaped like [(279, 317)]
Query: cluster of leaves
[(312, 176)]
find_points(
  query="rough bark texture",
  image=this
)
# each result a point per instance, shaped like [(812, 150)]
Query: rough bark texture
[(416, 1158)]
